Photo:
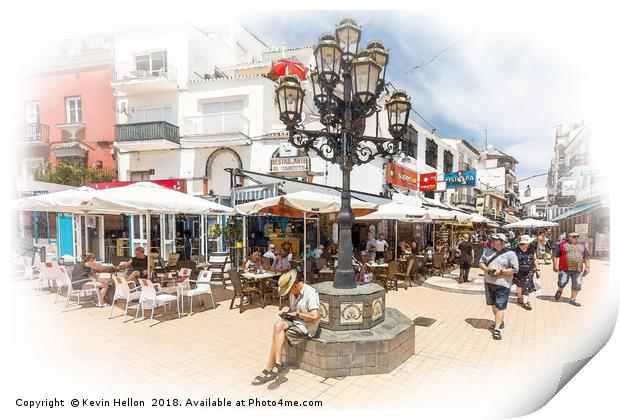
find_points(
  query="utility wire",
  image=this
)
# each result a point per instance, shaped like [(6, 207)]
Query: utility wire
[(430, 60)]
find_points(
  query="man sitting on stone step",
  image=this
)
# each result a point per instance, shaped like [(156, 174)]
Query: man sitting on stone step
[(297, 325)]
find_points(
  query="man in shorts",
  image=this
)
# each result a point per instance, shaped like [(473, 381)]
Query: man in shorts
[(499, 265), (571, 261), (299, 324)]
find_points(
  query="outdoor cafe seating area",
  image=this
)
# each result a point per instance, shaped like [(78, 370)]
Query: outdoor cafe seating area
[(177, 282)]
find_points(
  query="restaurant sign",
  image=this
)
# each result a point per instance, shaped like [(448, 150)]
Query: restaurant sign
[(173, 184), (460, 179), (402, 177), (290, 164), (428, 182)]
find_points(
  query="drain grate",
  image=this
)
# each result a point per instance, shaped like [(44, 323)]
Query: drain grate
[(423, 321)]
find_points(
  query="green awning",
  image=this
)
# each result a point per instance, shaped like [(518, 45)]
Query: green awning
[(575, 210)]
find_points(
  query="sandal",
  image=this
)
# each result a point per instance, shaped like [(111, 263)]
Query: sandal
[(493, 326), (264, 377), (527, 306), (520, 302), (497, 335)]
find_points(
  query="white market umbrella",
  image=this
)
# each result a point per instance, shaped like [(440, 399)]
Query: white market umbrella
[(67, 201), (295, 204), (398, 211), (530, 223), (299, 204), (148, 197)]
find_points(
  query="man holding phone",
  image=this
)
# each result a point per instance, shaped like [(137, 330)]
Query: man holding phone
[(499, 265)]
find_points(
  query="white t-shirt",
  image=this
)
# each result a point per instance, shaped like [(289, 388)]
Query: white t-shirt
[(318, 252), (306, 301), (380, 245)]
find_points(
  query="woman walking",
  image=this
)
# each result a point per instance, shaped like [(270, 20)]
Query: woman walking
[(524, 279)]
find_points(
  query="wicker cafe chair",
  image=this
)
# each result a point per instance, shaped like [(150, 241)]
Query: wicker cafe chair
[(405, 277), (438, 263), (419, 267), (241, 290), (218, 267), (388, 279), (173, 261)]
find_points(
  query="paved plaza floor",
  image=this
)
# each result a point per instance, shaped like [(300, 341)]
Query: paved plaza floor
[(216, 352)]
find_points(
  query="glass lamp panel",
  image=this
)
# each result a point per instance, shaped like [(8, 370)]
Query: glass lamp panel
[(373, 78)]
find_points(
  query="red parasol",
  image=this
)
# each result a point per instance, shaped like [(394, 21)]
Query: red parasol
[(285, 67)]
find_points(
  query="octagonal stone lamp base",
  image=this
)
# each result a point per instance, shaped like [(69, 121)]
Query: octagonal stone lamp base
[(358, 335)]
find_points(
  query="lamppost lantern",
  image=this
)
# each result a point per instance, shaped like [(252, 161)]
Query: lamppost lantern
[(365, 72), (348, 34), (347, 83), (398, 108), (290, 100), (379, 54), (320, 97), (328, 55)]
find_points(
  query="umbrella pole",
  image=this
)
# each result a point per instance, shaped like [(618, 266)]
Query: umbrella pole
[(395, 239), (148, 240), (304, 249)]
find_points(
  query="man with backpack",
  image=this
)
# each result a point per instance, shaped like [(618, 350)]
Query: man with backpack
[(499, 265), (571, 260)]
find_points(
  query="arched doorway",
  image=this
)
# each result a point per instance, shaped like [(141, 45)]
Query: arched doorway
[(218, 178)]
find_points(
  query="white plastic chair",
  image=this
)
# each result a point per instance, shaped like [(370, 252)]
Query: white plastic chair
[(48, 271), (123, 291), (151, 298), (203, 287), (64, 280)]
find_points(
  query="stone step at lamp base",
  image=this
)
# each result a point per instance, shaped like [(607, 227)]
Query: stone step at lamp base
[(358, 335)]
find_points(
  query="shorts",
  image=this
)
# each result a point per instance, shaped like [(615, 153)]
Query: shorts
[(496, 295), (294, 335), (576, 278)]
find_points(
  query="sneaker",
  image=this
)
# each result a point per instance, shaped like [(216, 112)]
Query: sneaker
[(574, 303), (558, 294)]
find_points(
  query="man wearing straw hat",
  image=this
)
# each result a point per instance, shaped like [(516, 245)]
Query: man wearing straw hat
[(296, 326)]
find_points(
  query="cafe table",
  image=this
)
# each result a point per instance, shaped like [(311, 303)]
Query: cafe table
[(261, 278)]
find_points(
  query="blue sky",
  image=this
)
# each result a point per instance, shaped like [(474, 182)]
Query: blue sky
[(516, 78)]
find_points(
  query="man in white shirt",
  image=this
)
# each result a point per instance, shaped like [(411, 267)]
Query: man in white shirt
[(296, 326), (380, 246), (270, 253)]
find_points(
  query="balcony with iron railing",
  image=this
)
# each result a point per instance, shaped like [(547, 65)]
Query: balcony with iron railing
[(228, 124), (131, 80), (578, 160), (463, 200), (36, 133), (147, 135)]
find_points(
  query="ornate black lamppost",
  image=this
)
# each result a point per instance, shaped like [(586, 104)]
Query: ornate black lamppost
[(346, 87)]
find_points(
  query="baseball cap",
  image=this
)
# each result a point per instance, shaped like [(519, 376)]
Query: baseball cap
[(573, 234), (499, 236)]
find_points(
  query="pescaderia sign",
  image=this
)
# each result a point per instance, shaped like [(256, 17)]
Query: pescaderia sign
[(460, 179)]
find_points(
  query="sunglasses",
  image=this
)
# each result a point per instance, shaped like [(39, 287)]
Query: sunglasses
[(574, 236)]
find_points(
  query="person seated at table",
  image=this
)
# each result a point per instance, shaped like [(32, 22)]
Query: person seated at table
[(318, 251), (253, 262), (300, 324), (138, 264), (281, 263), (87, 269), (414, 247), (270, 253)]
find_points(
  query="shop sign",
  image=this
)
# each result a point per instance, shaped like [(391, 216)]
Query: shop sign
[(460, 179), (428, 182), (173, 184), (569, 187), (480, 204), (402, 177), (290, 164)]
